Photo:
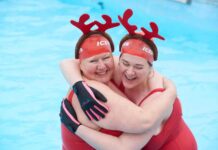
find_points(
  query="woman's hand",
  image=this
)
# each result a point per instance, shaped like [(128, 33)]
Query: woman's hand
[(88, 98), (68, 116)]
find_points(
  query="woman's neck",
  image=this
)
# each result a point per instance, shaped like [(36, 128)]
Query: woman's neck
[(137, 93)]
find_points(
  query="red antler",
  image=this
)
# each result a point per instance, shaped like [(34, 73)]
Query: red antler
[(154, 32), (124, 21), (81, 24), (107, 25)]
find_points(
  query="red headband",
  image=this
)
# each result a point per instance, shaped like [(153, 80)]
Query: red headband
[(94, 45), (138, 48)]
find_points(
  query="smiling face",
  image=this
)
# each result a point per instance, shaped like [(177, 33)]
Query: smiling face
[(134, 70), (99, 67)]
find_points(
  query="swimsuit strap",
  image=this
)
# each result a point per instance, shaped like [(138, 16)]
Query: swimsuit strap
[(150, 93)]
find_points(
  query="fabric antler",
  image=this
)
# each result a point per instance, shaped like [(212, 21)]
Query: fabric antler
[(81, 24), (107, 25), (153, 34), (86, 28), (132, 28), (124, 21)]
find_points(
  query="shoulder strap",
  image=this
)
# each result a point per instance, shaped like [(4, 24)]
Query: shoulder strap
[(150, 93)]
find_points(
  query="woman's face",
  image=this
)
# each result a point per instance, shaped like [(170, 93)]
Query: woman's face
[(134, 70), (99, 67)]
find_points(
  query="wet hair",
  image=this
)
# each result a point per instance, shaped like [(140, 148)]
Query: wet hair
[(85, 36), (146, 41)]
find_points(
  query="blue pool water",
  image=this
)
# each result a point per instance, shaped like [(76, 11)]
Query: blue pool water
[(36, 35)]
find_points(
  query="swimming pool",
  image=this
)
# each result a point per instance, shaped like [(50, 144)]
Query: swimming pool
[(36, 35)]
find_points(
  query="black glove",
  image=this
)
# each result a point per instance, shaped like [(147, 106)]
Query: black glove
[(68, 116), (88, 98)]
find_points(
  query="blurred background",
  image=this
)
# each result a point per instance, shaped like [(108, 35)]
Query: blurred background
[(36, 35)]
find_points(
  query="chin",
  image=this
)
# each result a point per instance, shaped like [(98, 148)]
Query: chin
[(104, 79), (128, 85)]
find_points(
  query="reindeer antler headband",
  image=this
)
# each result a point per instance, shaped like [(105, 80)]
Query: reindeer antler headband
[(132, 28), (131, 45), (93, 42), (86, 28)]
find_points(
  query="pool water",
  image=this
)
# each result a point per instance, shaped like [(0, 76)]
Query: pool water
[(36, 35)]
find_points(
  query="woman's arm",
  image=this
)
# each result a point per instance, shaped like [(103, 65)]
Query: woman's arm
[(157, 102), (97, 139), (143, 119), (126, 141), (160, 112), (123, 111), (70, 70), (103, 141)]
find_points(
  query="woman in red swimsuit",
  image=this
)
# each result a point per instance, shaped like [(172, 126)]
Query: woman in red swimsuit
[(135, 69)]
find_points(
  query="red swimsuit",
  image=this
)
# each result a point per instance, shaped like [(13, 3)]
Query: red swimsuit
[(73, 142), (175, 135)]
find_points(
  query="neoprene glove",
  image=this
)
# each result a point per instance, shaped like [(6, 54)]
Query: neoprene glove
[(88, 98), (68, 116)]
